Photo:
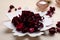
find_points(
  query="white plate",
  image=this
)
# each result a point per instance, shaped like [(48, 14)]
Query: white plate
[(46, 22)]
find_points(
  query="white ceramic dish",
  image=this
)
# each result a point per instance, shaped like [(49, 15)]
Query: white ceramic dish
[(47, 22)]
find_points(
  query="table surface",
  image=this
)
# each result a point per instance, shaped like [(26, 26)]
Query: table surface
[(6, 34)]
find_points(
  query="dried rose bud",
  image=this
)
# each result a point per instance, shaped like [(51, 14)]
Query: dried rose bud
[(11, 7), (52, 30), (15, 21), (52, 9), (49, 13), (38, 17), (58, 24), (15, 9), (24, 30), (58, 30), (19, 27)]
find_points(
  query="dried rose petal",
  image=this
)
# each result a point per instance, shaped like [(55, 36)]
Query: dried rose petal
[(9, 11)]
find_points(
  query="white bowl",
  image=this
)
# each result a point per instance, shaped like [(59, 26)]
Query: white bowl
[(47, 22)]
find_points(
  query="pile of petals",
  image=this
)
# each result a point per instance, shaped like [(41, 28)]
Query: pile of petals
[(27, 22)]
